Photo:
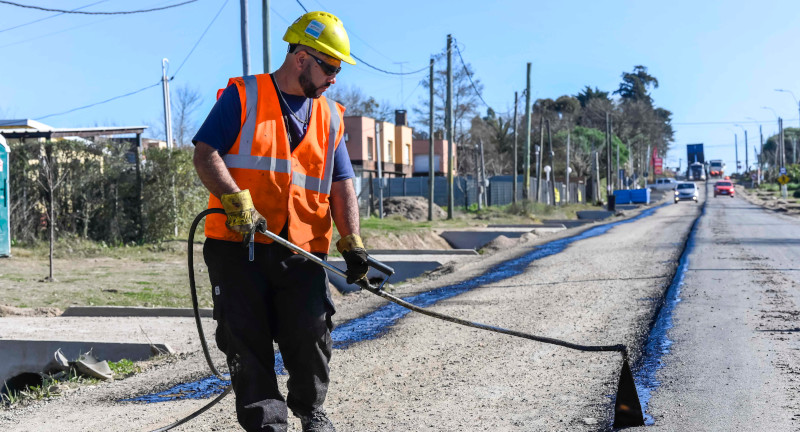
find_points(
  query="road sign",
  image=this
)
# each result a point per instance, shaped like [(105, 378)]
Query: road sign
[(783, 179), (783, 170), (753, 176)]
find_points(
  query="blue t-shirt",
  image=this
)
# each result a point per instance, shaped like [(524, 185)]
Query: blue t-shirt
[(221, 127)]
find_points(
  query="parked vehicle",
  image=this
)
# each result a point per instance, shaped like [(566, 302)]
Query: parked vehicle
[(686, 191), (724, 187), (664, 184)]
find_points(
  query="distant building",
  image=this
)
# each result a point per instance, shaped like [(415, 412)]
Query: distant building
[(401, 155)]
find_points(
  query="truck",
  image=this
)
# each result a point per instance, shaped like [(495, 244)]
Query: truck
[(696, 162), (716, 168), (664, 184)]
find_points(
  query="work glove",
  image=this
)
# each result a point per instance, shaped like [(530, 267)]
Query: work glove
[(352, 249), (242, 215)]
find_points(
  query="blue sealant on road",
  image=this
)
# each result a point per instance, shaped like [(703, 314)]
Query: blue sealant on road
[(658, 344), (378, 322), (203, 389)]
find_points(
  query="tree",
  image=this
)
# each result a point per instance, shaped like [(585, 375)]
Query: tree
[(636, 85), (50, 179), (359, 104), (586, 95), (184, 106), (465, 100)]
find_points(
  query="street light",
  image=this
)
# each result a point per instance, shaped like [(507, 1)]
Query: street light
[(795, 99)]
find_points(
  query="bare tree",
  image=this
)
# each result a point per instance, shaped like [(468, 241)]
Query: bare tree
[(188, 100), (359, 104), (50, 179)]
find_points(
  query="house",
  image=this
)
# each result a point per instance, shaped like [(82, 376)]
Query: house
[(366, 138), (421, 153)]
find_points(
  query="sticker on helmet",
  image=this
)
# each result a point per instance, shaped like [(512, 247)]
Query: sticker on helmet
[(314, 29)]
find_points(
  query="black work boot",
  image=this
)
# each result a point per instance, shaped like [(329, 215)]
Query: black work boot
[(316, 422)]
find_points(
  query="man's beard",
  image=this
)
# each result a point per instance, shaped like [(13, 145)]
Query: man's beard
[(309, 89)]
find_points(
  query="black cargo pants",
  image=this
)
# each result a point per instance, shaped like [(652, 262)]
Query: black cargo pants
[(279, 297)]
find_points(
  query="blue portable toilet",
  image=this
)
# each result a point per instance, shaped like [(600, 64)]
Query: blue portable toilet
[(5, 226)]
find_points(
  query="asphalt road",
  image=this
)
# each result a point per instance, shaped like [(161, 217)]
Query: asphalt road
[(734, 362)]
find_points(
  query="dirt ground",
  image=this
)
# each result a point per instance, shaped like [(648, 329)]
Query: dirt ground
[(768, 200), (88, 274)]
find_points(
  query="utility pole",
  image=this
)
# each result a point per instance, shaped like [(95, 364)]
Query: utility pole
[(516, 171), (746, 163), (167, 110), (784, 191), (431, 177), (608, 156), (526, 181), (245, 39), (379, 154), (596, 174), (760, 155), (552, 165), (478, 182), (168, 128), (484, 182), (539, 155), (736, 144), (619, 181), (449, 126), (267, 41), (566, 192)]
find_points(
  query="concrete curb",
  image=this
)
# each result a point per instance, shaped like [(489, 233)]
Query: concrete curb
[(132, 311)]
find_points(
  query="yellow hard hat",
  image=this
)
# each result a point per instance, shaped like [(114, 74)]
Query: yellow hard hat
[(322, 31)]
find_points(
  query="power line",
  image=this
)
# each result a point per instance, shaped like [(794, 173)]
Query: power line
[(48, 17), (150, 86), (458, 50), (388, 72), (98, 103), (198, 40), (75, 11), (362, 60)]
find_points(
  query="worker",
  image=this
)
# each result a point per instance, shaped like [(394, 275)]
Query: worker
[(271, 151)]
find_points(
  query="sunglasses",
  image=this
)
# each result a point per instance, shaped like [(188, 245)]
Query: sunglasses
[(327, 68)]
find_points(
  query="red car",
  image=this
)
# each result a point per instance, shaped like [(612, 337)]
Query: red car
[(724, 188)]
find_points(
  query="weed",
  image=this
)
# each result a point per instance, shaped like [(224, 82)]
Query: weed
[(123, 368)]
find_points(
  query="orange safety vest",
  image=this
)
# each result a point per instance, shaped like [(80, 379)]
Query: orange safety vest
[(287, 187)]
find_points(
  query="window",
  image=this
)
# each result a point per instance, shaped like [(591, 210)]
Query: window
[(390, 157), (370, 145), (406, 154)]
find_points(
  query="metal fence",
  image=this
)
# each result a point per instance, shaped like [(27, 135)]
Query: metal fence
[(465, 192)]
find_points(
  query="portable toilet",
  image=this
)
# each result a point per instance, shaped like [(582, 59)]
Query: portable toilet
[(5, 194)]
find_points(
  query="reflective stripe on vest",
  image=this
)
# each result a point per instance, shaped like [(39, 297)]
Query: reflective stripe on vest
[(245, 161)]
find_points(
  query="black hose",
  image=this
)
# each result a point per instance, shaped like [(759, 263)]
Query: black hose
[(196, 309), (592, 348), (364, 284), (193, 289)]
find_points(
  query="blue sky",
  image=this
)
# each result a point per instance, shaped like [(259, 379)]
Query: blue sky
[(716, 61)]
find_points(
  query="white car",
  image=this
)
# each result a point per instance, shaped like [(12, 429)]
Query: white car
[(664, 184), (686, 191)]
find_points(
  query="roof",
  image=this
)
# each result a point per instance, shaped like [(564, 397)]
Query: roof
[(32, 129), (23, 124)]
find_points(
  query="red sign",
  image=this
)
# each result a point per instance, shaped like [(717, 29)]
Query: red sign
[(658, 165)]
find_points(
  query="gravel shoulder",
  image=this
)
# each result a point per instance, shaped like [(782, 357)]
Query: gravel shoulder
[(430, 375)]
